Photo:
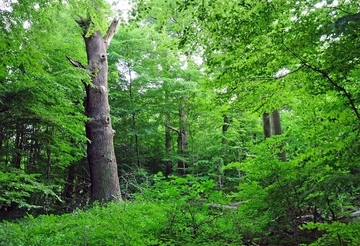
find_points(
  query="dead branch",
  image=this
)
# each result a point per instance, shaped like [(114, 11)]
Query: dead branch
[(110, 32), (172, 128), (75, 63), (234, 205)]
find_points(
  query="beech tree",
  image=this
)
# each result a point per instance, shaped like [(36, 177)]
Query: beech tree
[(100, 151)]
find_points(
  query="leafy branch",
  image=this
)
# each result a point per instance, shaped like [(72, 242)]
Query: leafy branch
[(328, 78)]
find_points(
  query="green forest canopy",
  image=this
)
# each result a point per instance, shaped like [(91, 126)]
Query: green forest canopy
[(240, 111)]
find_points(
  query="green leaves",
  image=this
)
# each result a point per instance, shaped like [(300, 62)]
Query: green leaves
[(16, 187), (136, 223), (337, 233), (42, 122)]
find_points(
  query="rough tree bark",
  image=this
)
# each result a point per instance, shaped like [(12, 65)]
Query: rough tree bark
[(272, 126), (100, 150), (266, 125)]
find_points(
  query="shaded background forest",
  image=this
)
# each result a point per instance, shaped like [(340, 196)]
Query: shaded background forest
[(197, 90)]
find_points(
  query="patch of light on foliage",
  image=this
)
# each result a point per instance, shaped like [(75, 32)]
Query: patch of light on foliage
[(150, 85), (183, 59), (185, 66), (327, 3), (26, 24), (233, 99), (222, 90), (124, 69), (320, 4), (198, 60), (122, 6), (6, 5), (281, 73), (323, 38)]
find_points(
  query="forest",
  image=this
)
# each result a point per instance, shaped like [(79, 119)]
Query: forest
[(179, 122)]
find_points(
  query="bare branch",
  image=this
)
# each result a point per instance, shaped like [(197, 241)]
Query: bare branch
[(172, 128), (234, 205), (110, 32), (75, 63)]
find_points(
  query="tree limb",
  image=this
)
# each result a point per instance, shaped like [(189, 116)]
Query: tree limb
[(234, 205), (78, 64), (172, 128), (75, 63), (328, 78), (110, 32)]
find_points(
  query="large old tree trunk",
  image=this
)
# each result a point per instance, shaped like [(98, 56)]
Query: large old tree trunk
[(100, 151)]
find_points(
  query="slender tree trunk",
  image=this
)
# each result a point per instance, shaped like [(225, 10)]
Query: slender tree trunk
[(266, 125), (225, 127), (275, 123), (224, 130), (50, 131), (167, 141), (182, 142), (32, 151), (136, 137), (1, 137), (69, 187), (100, 151), (137, 148), (183, 139), (19, 146)]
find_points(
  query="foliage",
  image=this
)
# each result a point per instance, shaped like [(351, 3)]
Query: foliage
[(41, 130), (225, 64), (337, 233), (136, 223), (16, 186), (116, 224)]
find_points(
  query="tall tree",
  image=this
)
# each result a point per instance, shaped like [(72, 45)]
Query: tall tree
[(100, 151)]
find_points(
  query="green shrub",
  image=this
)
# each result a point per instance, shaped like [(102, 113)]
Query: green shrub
[(174, 212), (113, 224), (336, 233)]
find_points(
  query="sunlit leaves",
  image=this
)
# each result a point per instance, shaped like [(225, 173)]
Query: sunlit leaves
[(42, 122)]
